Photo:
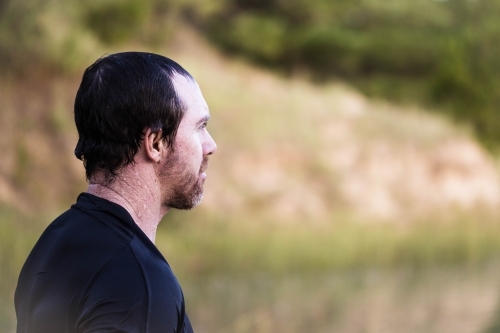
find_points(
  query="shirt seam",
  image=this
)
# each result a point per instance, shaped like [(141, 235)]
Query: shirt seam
[(148, 289)]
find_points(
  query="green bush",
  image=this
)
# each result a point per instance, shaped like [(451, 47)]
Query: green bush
[(59, 35), (261, 37), (116, 21)]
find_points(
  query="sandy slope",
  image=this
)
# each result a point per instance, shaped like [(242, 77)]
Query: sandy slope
[(295, 149)]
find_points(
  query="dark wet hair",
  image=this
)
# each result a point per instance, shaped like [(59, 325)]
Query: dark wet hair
[(120, 96)]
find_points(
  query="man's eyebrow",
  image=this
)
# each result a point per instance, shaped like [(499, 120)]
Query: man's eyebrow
[(202, 120)]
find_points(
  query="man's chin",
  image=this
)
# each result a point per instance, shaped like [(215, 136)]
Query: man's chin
[(196, 202), (186, 203)]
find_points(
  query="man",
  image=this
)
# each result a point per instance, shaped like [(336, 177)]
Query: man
[(141, 120)]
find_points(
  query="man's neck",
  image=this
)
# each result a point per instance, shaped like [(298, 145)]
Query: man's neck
[(138, 193)]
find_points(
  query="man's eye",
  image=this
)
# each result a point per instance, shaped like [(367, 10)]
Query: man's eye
[(203, 125)]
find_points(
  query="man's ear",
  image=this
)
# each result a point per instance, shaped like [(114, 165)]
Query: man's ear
[(153, 145)]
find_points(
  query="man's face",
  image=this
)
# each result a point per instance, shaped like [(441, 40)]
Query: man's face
[(182, 175)]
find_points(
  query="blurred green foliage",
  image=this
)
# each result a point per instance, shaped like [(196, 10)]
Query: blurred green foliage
[(433, 52), (17, 236), (216, 246), (114, 21), (426, 51), (58, 35)]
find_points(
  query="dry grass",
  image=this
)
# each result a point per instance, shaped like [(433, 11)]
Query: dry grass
[(374, 301)]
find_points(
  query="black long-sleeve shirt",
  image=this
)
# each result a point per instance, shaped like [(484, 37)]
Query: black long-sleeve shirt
[(94, 270)]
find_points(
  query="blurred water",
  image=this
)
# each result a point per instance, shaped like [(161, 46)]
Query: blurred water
[(458, 300)]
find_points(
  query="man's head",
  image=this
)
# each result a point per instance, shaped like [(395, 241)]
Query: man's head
[(185, 165), (127, 98)]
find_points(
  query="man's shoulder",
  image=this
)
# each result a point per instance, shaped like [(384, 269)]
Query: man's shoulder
[(87, 220), (68, 256), (79, 241)]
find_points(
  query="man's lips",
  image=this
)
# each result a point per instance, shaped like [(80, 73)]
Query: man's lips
[(204, 165)]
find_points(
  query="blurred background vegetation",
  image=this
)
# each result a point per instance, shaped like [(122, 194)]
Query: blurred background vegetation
[(285, 240), (432, 52)]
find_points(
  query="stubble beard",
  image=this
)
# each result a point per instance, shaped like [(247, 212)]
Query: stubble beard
[(186, 188)]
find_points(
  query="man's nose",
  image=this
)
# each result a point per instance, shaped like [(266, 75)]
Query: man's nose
[(211, 146)]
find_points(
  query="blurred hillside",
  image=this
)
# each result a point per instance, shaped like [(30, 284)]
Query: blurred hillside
[(290, 149), (303, 152), (434, 53)]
